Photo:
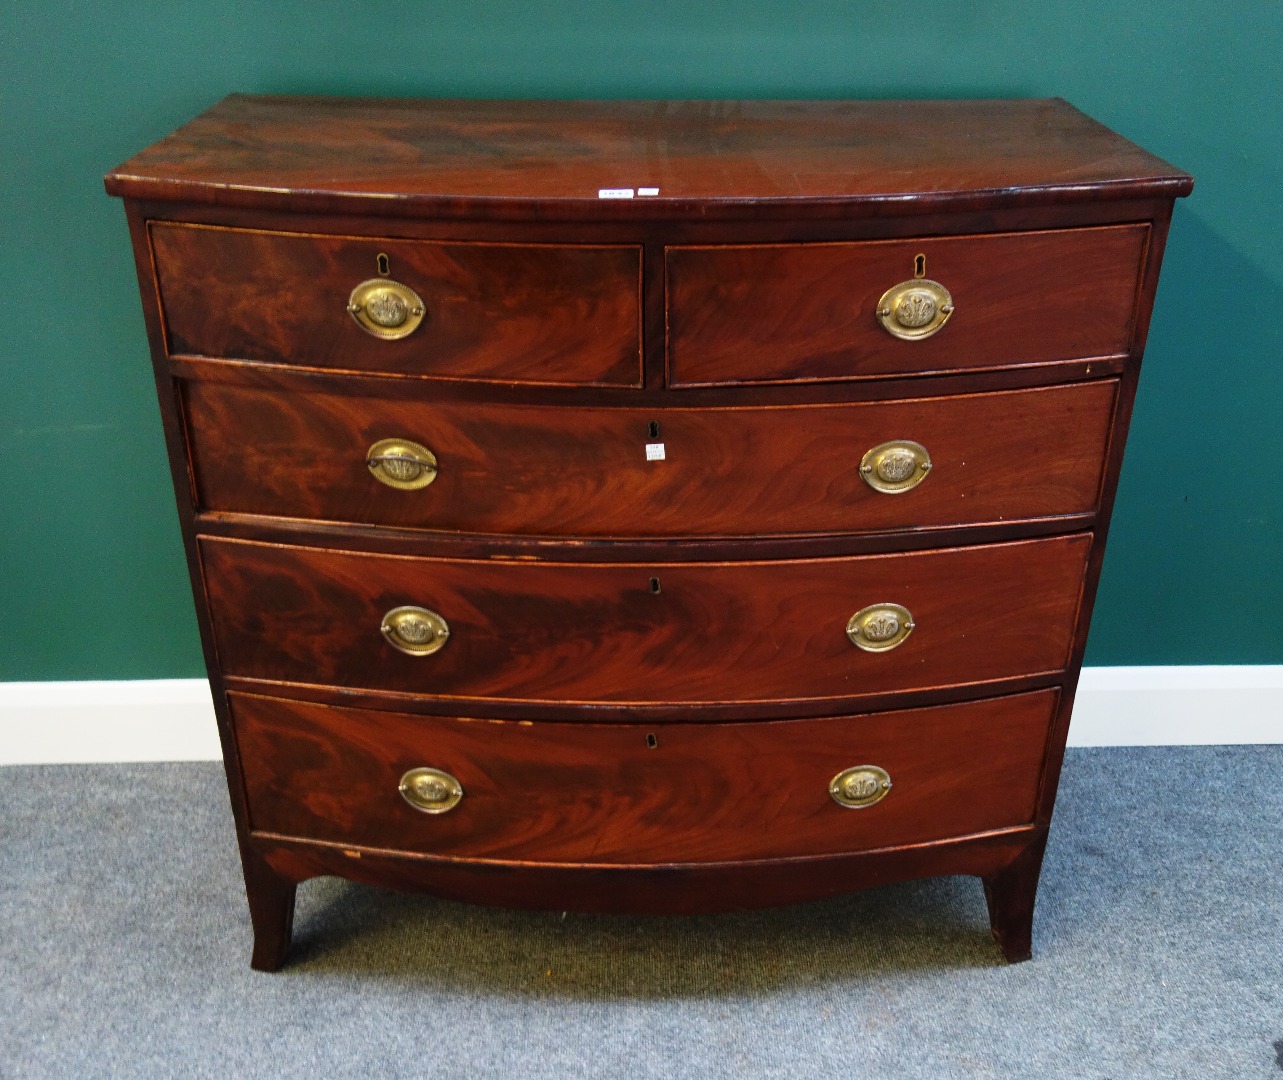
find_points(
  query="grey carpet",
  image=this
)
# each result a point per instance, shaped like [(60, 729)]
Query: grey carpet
[(124, 947)]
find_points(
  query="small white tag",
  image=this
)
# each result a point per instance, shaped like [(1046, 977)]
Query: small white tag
[(648, 191), (615, 193), (654, 451)]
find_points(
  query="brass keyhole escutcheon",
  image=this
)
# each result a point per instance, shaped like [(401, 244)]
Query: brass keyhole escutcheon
[(433, 791), (895, 466), (415, 631), (860, 786), (914, 309), (386, 308), (403, 464), (879, 627)]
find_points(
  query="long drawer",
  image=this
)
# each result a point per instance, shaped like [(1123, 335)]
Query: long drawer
[(647, 634), (515, 313), (601, 793), (808, 312), (582, 471)]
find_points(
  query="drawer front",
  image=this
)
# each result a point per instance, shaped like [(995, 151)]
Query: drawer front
[(713, 632), (584, 471), (601, 793), (495, 312), (808, 312)]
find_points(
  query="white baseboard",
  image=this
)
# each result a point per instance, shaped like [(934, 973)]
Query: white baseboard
[(1178, 706), (145, 720), (173, 719)]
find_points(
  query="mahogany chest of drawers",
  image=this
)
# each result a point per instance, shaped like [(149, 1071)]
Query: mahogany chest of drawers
[(651, 506)]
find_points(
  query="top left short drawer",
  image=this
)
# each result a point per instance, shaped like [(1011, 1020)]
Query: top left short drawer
[(515, 313)]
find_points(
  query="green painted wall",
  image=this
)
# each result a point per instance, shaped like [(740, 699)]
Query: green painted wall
[(92, 581)]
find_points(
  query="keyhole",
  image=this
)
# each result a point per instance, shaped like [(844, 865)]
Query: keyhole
[(651, 741), (383, 264), (654, 585), (652, 429), (919, 266)]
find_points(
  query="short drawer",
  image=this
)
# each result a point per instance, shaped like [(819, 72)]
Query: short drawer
[(808, 312), (625, 633), (627, 794), (515, 313), (545, 471)]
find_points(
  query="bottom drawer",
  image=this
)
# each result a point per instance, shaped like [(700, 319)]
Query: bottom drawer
[(633, 794)]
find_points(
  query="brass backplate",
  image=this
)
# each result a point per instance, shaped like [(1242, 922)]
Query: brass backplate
[(860, 786), (879, 627), (896, 466), (415, 631), (433, 791), (914, 309), (403, 464), (386, 308)]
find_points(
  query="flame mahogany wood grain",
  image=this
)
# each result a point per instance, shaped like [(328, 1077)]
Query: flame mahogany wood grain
[(519, 313), (744, 314), (446, 179), (553, 471), (598, 793), (738, 632), (517, 160)]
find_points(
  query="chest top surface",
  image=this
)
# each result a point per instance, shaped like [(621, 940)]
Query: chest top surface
[(555, 158)]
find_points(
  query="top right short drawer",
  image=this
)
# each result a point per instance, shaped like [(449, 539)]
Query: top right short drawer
[(819, 312)]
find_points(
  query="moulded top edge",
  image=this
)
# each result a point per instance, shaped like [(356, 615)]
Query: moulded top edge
[(609, 160)]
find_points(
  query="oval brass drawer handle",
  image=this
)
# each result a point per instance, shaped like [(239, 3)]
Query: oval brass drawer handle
[(895, 466), (415, 631), (914, 309), (860, 786), (403, 464), (879, 627), (386, 308), (433, 791)]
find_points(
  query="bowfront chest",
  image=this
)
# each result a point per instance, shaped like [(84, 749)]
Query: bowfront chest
[(644, 506)]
